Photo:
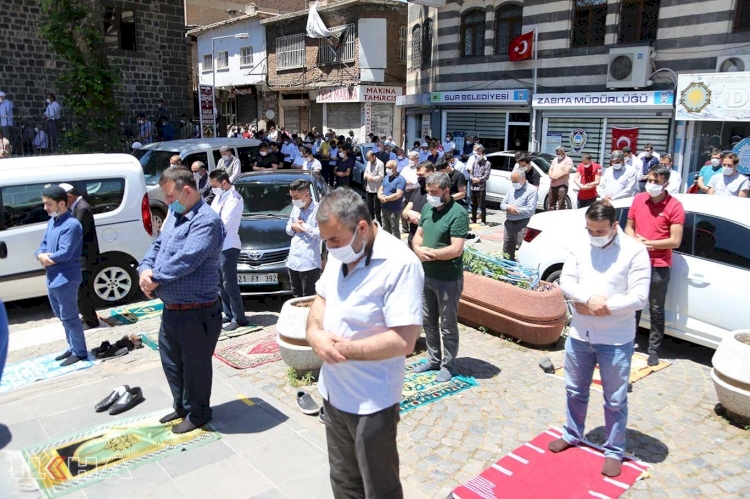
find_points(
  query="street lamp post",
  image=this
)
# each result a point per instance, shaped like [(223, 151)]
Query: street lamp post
[(241, 36)]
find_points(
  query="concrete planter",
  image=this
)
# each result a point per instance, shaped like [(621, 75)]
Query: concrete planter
[(291, 329), (731, 372), (536, 318)]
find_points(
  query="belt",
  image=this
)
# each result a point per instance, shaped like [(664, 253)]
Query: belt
[(188, 306)]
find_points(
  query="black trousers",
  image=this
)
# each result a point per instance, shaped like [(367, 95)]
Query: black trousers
[(362, 454), (585, 203), (657, 297), (303, 282), (327, 171), (373, 204), (187, 339), (86, 300), (478, 200)]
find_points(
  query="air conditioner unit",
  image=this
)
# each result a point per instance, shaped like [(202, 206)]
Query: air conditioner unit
[(630, 67), (732, 63)]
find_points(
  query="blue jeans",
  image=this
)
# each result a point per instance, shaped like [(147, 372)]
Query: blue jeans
[(614, 365), (229, 288), (64, 302)]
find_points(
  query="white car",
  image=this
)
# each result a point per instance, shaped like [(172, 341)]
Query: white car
[(706, 298), (499, 182)]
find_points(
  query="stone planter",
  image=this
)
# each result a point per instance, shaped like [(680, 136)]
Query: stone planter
[(536, 318), (731, 372), (291, 329)]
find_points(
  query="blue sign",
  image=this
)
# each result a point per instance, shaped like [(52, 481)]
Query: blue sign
[(742, 149)]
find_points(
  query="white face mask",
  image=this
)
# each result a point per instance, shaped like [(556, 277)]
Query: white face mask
[(654, 190), (400, 158), (517, 185), (587, 166), (36, 129), (479, 156), (389, 171), (341, 155), (560, 157), (435, 201), (728, 170), (197, 176), (617, 166), (600, 241), (298, 203), (715, 162), (217, 191), (263, 153), (346, 254), (49, 101)]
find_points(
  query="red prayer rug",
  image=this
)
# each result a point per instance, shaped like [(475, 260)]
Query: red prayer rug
[(532, 471), (250, 354)]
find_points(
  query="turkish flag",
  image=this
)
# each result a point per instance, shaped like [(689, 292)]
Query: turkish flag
[(622, 137), (521, 47)]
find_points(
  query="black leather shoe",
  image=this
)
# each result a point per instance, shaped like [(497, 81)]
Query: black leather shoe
[(185, 426), (132, 398), (64, 355), (111, 398), (72, 359), (231, 326), (170, 417)]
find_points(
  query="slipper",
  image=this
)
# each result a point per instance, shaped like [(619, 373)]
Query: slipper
[(101, 348), (125, 342), (137, 341), (322, 416), (306, 403), (112, 352)]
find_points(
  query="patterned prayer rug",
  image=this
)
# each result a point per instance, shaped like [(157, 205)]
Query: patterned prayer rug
[(38, 369), (532, 471), (80, 459), (251, 353), (639, 369), (131, 314), (151, 340), (423, 388)]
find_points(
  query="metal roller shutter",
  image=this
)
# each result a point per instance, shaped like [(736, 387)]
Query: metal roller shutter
[(316, 116), (382, 119), (593, 128), (489, 126), (344, 117), (653, 130), (292, 120), (247, 109)]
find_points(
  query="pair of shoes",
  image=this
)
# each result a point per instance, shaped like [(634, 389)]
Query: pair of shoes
[(185, 426), (322, 416), (108, 351), (444, 375), (121, 399), (64, 355), (653, 359), (173, 416), (72, 359), (558, 445), (306, 403), (423, 368)]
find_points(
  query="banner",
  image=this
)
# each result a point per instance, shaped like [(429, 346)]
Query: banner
[(622, 137), (714, 96), (522, 47), (316, 28), (207, 110)]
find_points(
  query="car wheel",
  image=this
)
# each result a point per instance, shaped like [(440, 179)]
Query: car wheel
[(157, 219), (568, 203), (115, 281)]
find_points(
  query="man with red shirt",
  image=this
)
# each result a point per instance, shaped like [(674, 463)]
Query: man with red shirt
[(656, 219), (587, 177)]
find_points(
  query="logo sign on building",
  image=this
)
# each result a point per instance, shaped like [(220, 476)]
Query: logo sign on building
[(207, 106), (624, 137), (714, 96), (742, 149), (578, 138), (481, 97), (359, 93), (605, 99)]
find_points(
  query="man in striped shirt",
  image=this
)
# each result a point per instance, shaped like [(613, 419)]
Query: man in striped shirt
[(519, 205)]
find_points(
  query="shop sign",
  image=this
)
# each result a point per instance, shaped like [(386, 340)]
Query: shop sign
[(578, 138), (714, 96), (426, 130), (554, 140), (207, 107), (742, 149), (481, 97), (366, 121), (605, 99), (359, 93)]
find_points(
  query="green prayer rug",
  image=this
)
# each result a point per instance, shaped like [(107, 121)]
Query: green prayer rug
[(131, 314), (422, 388), (69, 463), (151, 340)]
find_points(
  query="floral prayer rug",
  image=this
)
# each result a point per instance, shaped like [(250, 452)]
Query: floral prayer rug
[(38, 369), (131, 314), (422, 388), (251, 353), (151, 340)]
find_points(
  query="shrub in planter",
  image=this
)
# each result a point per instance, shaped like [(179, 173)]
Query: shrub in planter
[(292, 329), (731, 372)]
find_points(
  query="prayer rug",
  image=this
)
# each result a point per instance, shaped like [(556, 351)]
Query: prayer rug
[(151, 340), (533, 471), (251, 353), (422, 388), (80, 459), (131, 314), (639, 369), (38, 369)]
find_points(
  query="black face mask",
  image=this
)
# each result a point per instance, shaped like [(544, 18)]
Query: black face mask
[(422, 182)]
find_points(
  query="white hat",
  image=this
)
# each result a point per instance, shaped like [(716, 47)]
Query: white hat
[(424, 144), (67, 187), (2, 94), (137, 145)]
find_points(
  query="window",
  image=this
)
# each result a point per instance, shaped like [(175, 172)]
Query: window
[(104, 195), (501, 163), (290, 51), (589, 22), (247, 157), (23, 205), (416, 47), (508, 25), (208, 63), (198, 156), (119, 28), (154, 162), (222, 60), (472, 33), (402, 35), (427, 43), (721, 241), (742, 15), (246, 56), (638, 21), (338, 49)]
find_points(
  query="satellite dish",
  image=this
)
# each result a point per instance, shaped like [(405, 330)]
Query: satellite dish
[(732, 65), (270, 114)]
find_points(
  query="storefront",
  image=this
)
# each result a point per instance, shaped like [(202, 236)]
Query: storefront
[(598, 123), (294, 112), (361, 108), (715, 108), (500, 118), (417, 110)]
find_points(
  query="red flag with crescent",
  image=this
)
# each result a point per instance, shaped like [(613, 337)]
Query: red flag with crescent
[(521, 48), (622, 137)]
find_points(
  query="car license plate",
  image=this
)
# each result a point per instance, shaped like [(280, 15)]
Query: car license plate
[(258, 279)]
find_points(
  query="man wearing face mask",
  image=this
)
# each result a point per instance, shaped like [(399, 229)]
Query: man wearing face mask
[(304, 261), (559, 174), (385, 154), (374, 174), (355, 140), (439, 244), (344, 167), (458, 181), (523, 162), (642, 166), (480, 173), (424, 152), (519, 205), (449, 147), (712, 167), (409, 173), (229, 163), (288, 150), (145, 130), (730, 183), (264, 161), (60, 255), (186, 128), (402, 158), (40, 140), (391, 195), (229, 205), (618, 181), (309, 162), (587, 177), (675, 179), (657, 219), (365, 319), (607, 277), (200, 173), (413, 210), (182, 269)]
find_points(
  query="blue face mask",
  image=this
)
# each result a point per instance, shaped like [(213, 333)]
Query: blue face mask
[(177, 207)]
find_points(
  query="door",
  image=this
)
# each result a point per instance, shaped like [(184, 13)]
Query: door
[(517, 137), (499, 182)]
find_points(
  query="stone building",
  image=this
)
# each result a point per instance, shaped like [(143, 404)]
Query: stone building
[(205, 12), (345, 84)]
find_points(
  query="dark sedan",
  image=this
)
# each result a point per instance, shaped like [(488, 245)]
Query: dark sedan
[(261, 268)]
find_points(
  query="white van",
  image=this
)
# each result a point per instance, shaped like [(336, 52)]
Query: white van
[(155, 159), (113, 185)]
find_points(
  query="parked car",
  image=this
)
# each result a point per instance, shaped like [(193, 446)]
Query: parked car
[(710, 269), (261, 268), (155, 159), (499, 182), (358, 173), (114, 186)]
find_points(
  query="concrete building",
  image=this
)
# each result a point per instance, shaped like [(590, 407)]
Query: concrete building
[(348, 87)]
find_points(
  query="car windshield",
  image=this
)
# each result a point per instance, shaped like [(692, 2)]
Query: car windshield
[(154, 162), (542, 162), (265, 198)]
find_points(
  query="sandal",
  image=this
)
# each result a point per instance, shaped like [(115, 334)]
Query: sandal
[(137, 341), (112, 352), (101, 348)]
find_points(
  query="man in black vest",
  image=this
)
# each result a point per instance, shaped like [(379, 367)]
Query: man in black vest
[(89, 255)]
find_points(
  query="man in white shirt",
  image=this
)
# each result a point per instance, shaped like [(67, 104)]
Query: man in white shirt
[(365, 319), (424, 152), (374, 175), (607, 276), (354, 138), (409, 172), (632, 160), (309, 162), (229, 205), (731, 183), (289, 150), (675, 179), (449, 146), (618, 181), (304, 262), (457, 165), (403, 158)]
